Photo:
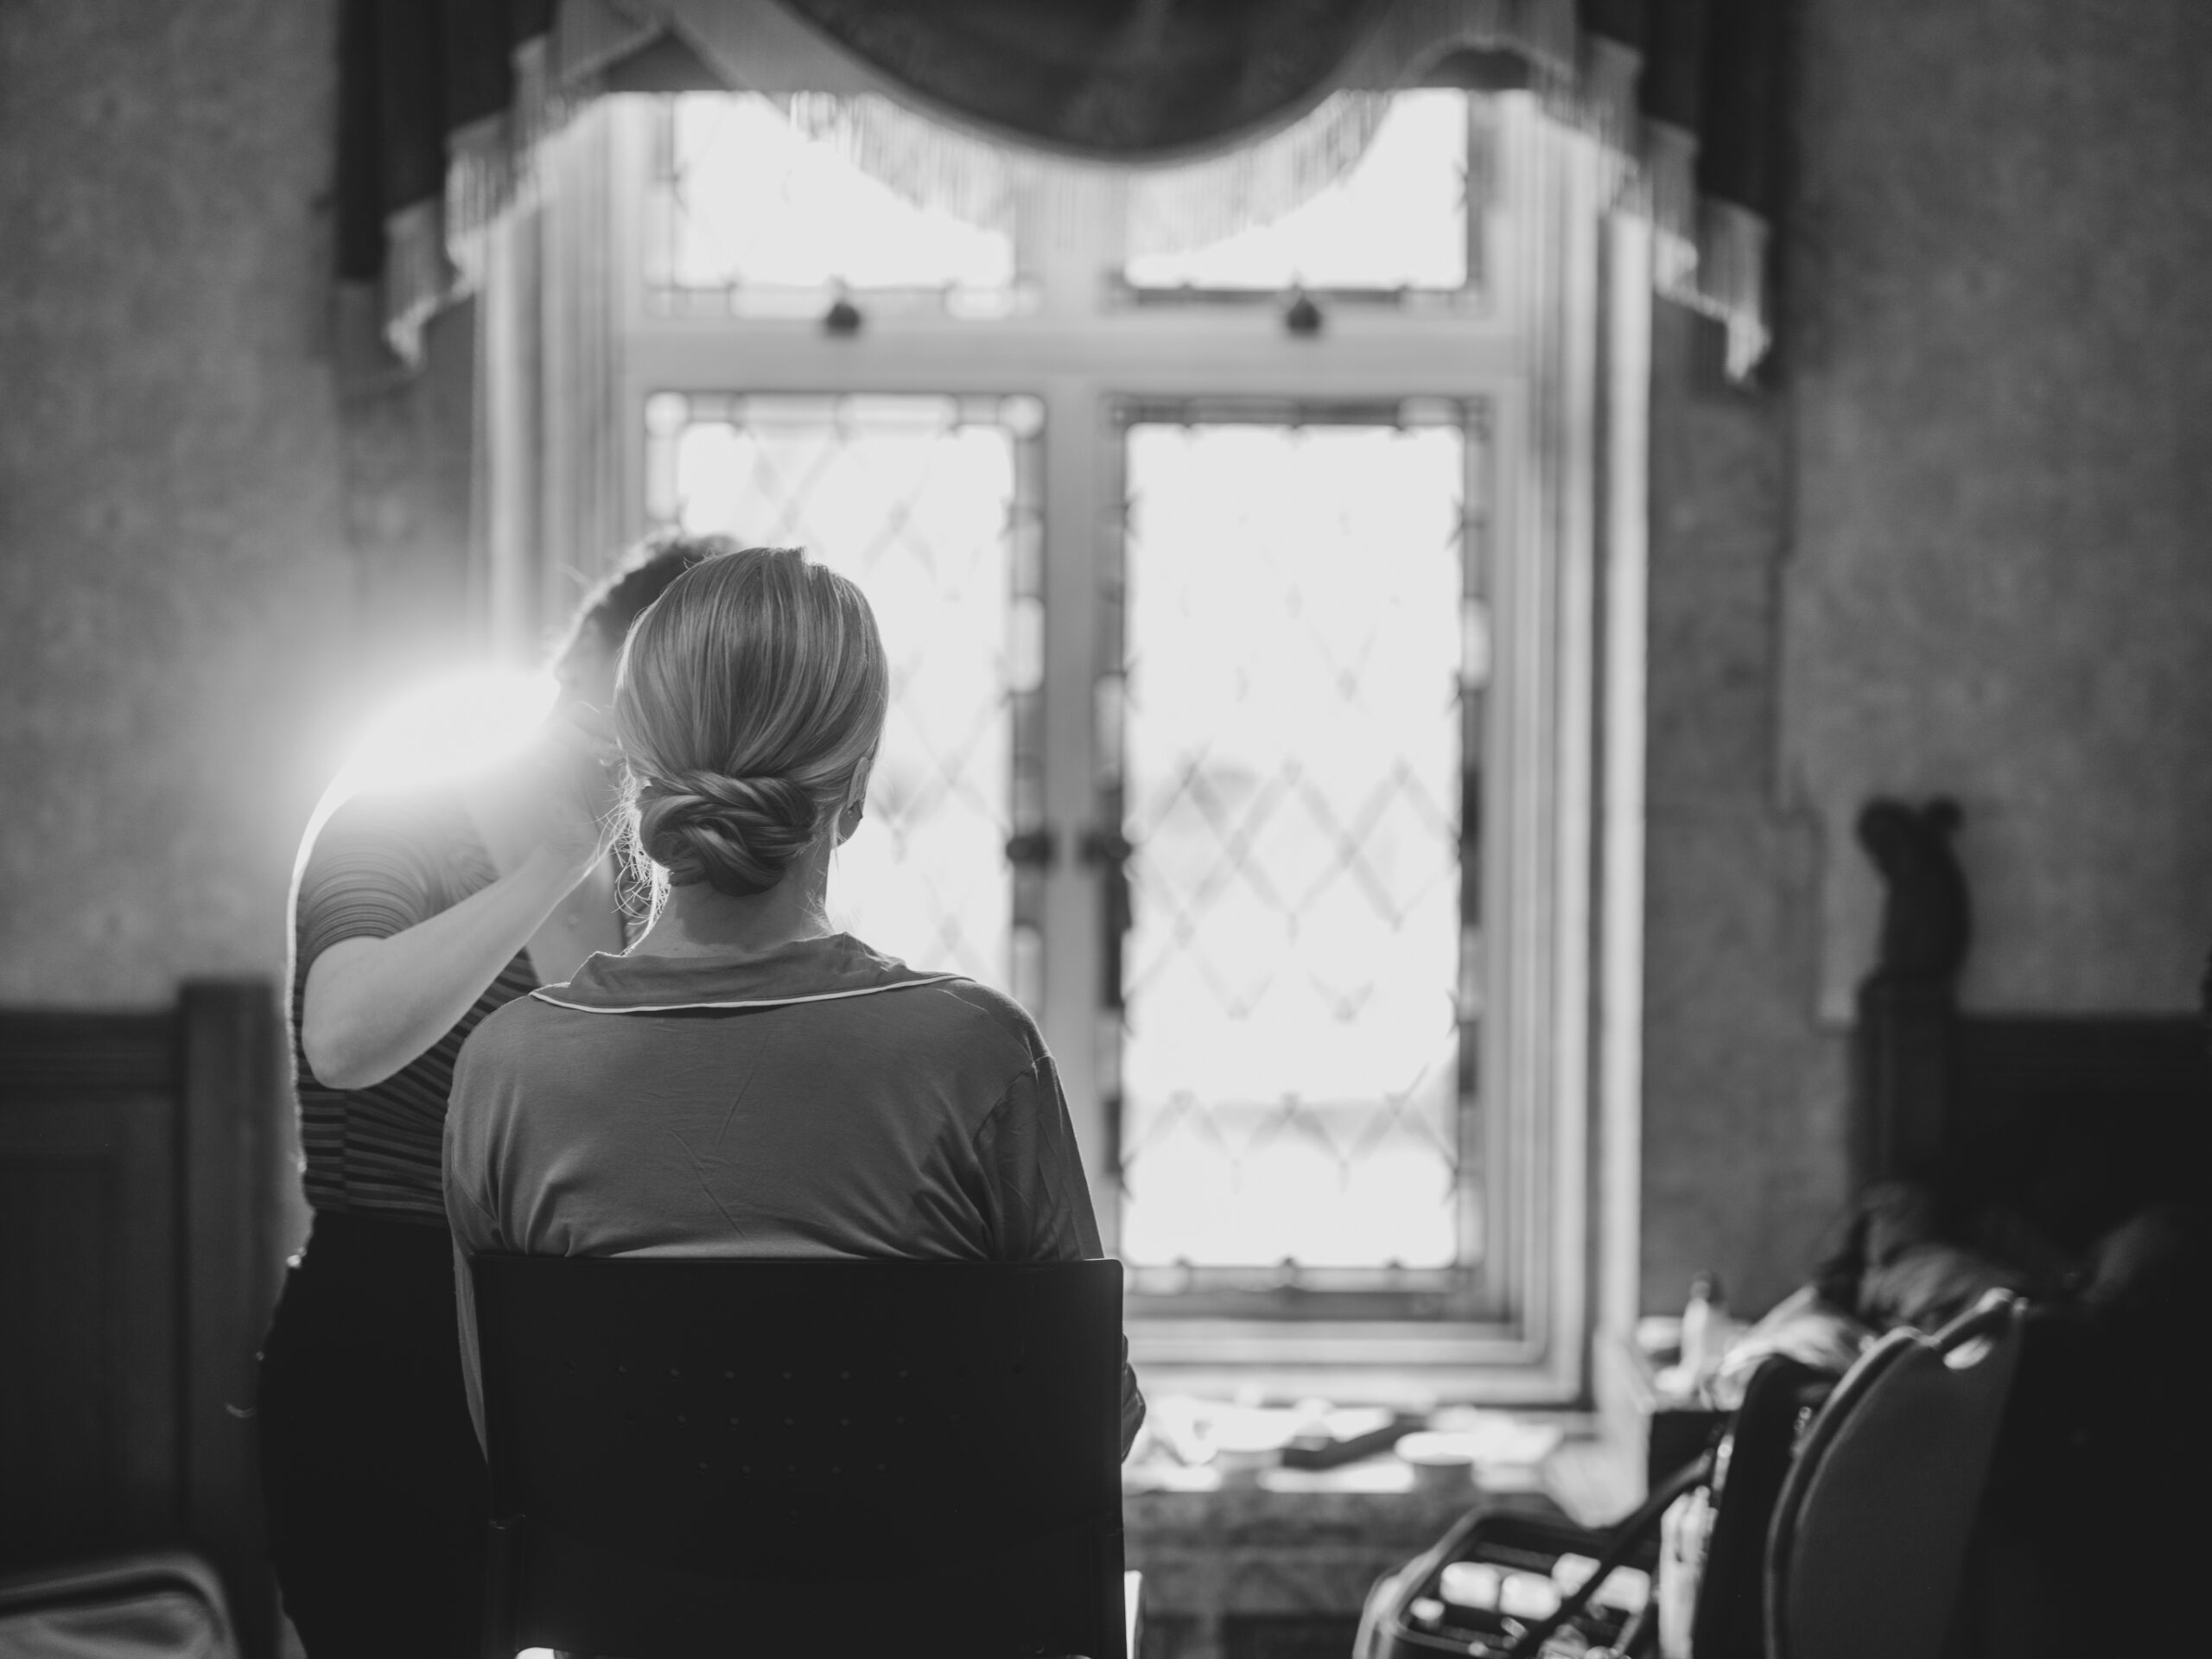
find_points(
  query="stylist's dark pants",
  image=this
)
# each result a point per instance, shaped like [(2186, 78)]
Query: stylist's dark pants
[(371, 1470)]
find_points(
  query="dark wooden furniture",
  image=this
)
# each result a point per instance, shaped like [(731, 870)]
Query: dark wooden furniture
[(2075, 1120), (2066, 1132), (826, 1457), (139, 1170)]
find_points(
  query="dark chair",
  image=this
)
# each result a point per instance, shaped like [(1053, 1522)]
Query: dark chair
[(1870, 1537), (693, 1457)]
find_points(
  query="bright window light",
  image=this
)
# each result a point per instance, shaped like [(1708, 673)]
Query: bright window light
[(1293, 767), (1398, 219), (756, 205), (440, 731)]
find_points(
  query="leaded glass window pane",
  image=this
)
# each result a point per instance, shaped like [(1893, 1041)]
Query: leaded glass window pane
[(1291, 783), (1399, 220), (752, 217), (931, 505)]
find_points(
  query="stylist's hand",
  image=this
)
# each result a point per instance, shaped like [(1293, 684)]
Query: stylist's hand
[(577, 771)]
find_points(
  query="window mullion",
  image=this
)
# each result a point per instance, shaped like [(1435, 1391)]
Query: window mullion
[(1075, 524)]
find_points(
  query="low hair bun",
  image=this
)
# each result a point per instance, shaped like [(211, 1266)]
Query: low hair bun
[(750, 704), (738, 835)]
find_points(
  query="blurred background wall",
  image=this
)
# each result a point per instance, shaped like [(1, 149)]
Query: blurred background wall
[(209, 559), (1964, 547)]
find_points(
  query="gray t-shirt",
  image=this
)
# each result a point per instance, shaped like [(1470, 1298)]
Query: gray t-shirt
[(813, 1100)]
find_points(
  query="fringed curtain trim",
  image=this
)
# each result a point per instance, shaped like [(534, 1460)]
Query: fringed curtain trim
[(1650, 80), (1177, 208), (445, 102), (1171, 209)]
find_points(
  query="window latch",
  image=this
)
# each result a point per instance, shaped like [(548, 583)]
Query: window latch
[(1036, 849), (1104, 847)]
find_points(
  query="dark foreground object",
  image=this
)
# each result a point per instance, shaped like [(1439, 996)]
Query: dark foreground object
[(370, 1470), (802, 1458)]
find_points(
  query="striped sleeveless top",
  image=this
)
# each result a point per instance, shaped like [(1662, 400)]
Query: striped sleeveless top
[(379, 865)]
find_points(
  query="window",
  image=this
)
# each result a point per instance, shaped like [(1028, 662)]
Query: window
[(1292, 694), (1398, 223), (1242, 676), (750, 218)]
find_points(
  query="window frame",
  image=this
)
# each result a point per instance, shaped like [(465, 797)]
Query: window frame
[(1528, 351)]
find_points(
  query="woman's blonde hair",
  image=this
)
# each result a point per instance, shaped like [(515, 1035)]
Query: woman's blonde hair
[(750, 699)]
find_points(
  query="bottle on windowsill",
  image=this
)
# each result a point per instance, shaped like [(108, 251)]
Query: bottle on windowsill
[(1705, 1332)]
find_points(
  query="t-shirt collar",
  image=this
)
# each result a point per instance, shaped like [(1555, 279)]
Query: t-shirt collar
[(806, 970)]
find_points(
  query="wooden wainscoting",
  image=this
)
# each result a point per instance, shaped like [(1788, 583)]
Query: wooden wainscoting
[(139, 1257)]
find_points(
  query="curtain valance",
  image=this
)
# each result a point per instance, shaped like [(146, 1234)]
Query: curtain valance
[(1231, 111)]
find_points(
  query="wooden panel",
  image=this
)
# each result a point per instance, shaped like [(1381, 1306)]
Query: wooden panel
[(43, 1056), (234, 1097), (1901, 1079), (89, 1444), (2079, 1120), (139, 1178)]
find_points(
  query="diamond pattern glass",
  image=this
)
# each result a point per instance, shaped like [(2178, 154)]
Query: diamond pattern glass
[(1291, 754), (1399, 220), (931, 505), (753, 217)]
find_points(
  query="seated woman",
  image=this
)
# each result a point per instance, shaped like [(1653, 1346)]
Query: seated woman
[(746, 1080)]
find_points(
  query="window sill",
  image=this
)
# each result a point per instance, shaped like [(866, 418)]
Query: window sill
[(1415, 1365), (1356, 1488)]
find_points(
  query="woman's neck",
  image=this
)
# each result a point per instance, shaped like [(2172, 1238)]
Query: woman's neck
[(697, 920)]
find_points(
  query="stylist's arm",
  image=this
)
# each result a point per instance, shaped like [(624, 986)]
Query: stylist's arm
[(371, 1006)]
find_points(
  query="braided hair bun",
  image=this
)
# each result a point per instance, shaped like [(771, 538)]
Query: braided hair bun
[(738, 834), (750, 701)]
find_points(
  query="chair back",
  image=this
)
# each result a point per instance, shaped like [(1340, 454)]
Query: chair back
[(802, 1457), (1729, 1620), (1870, 1535)]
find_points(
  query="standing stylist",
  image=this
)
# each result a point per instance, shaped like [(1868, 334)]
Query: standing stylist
[(418, 913)]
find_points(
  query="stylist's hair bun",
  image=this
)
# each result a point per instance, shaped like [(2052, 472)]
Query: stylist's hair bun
[(738, 834), (750, 700)]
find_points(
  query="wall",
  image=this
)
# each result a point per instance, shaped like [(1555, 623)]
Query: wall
[(2002, 579), (1962, 544), (1743, 1093), (208, 559)]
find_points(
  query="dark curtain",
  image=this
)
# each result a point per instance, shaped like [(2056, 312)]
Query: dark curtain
[(1126, 80), (1146, 79), (412, 74), (1688, 89)]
